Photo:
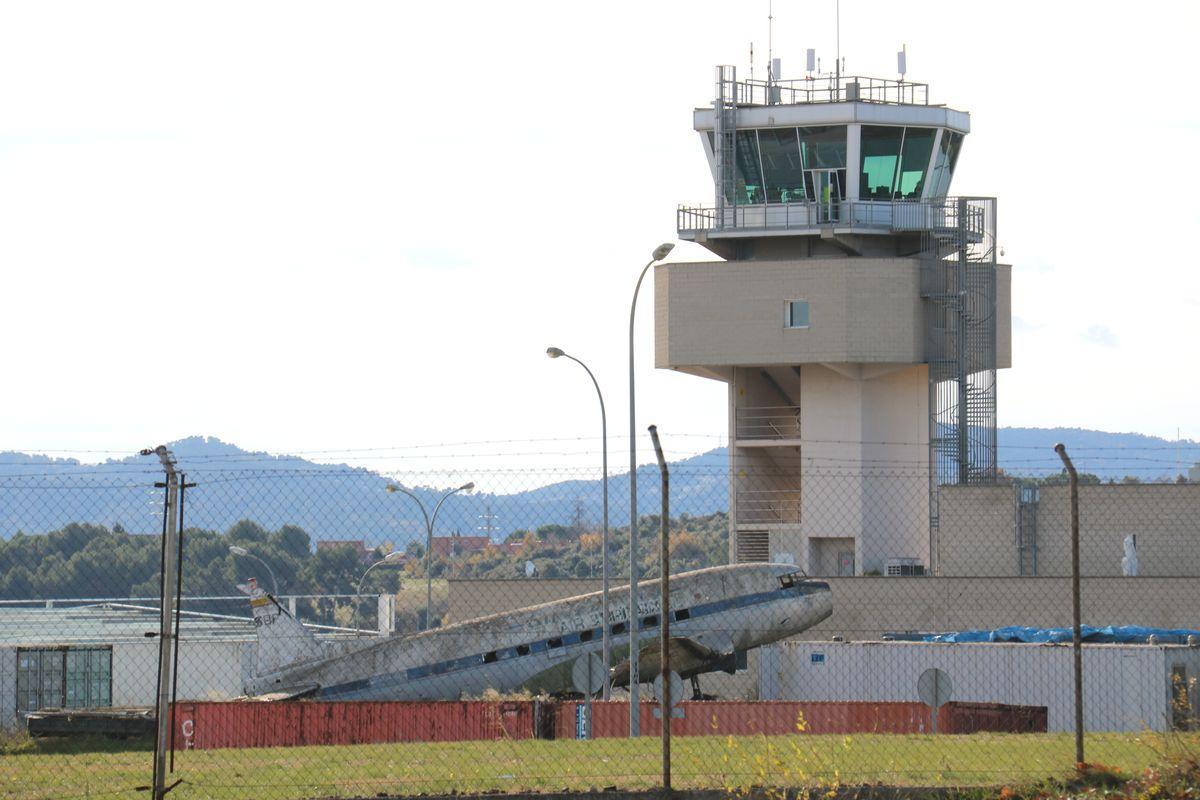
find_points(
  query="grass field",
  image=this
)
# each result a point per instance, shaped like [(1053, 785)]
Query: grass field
[(60, 770)]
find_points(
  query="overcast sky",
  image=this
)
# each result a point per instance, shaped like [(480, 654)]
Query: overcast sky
[(305, 227)]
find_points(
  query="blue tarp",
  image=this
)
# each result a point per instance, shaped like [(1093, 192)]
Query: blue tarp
[(1113, 634)]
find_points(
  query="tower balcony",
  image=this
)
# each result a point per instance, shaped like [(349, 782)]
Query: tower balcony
[(938, 216)]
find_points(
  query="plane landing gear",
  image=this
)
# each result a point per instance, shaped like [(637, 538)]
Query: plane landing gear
[(696, 693)]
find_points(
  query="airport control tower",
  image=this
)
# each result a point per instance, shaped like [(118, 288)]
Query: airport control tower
[(858, 317)]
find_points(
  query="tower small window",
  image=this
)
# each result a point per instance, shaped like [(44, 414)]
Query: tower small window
[(795, 314)]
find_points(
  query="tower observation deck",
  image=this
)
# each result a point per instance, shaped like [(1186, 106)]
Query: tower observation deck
[(858, 317)]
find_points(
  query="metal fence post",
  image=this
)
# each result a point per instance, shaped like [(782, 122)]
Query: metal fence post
[(1077, 634), (664, 581), (166, 630)]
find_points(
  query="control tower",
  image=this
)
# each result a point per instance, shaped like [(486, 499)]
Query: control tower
[(858, 317)]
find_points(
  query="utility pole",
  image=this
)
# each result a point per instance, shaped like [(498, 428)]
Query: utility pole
[(166, 632)]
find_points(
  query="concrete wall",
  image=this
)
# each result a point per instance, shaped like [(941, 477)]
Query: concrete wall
[(208, 670), (861, 310), (866, 608), (1127, 687), (732, 312), (978, 534)]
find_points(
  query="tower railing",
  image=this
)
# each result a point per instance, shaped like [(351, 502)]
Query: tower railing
[(869, 216), (768, 422), (832, 89)]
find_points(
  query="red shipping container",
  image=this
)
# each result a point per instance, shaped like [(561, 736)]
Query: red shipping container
[(205, 726), (776, 718)]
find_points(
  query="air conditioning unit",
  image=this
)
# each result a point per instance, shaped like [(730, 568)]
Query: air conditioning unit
[(904, 567)]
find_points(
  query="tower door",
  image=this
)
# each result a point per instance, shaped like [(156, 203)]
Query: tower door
[(826, 187)]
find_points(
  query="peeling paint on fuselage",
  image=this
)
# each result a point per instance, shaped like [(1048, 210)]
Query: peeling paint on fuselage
[(736, 607)]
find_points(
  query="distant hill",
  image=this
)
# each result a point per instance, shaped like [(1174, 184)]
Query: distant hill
[(330, 501)]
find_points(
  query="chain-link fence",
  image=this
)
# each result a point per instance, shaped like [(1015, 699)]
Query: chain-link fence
[(340, 633)]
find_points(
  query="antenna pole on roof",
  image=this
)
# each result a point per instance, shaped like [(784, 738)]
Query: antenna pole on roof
[(837, 63), (771, 76)]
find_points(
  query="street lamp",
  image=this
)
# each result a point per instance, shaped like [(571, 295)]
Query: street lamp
[(554, 352), (241, 551), (659, 254), (429, 522), (390, 558)]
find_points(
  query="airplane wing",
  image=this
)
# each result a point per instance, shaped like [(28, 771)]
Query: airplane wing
[(291, 693), (688, 658)]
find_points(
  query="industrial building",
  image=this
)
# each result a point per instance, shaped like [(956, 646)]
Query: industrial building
[(1128, 687), (106, 655), (858, 318)]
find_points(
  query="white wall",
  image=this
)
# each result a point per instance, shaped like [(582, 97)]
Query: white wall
[(8, 688), (1126, 687), (208, 670)]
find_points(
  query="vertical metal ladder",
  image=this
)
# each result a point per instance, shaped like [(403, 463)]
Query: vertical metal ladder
[(724, 137)]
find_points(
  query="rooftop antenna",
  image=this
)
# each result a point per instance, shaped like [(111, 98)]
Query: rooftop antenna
[(902, 61), (752, 61), (771, 76), (810, 62), (838, 27)]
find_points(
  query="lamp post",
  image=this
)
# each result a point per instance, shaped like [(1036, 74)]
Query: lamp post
[(241, 551), (390, 558), (429, 522), (659, 254), (605, 651)]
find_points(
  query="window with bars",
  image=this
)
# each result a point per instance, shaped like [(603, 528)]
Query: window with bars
[(64, 677)]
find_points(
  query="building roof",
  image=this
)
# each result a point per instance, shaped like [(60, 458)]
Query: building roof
[(107, 623)]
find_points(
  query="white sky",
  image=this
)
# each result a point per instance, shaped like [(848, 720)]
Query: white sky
[(303, 226)]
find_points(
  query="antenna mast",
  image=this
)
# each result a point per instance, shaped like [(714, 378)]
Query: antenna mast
[(771, 76), (837, 64)]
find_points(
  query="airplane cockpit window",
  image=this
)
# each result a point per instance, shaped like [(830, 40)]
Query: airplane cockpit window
[(791, 579)]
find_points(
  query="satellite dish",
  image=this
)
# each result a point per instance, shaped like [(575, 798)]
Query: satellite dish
[(530, 569)]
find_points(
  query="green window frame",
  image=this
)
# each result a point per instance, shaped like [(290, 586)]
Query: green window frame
[(63, 677)]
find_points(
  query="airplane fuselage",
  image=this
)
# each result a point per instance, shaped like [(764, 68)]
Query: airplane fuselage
[(726, 609)]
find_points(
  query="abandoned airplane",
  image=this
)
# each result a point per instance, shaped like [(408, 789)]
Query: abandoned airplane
[(717, 614)]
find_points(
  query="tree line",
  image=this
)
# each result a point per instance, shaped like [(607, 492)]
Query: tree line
[(83, 560)]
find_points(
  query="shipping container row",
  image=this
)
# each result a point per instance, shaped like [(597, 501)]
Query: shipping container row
[(209, 725)]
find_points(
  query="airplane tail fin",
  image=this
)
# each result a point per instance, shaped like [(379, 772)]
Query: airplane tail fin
[(282, 641)]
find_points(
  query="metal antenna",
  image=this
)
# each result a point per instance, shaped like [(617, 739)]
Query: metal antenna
[(837, 64), (752, 61), (771, 76)]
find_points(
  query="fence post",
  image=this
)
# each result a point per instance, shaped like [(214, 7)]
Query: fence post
[(666, 702), (166, 636), (1076, 633)]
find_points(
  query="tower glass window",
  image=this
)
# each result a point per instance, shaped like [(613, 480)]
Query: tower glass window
[(943, 166), (749, 188), (782, 170), (880, 147), (918, 145), (823, 147)]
